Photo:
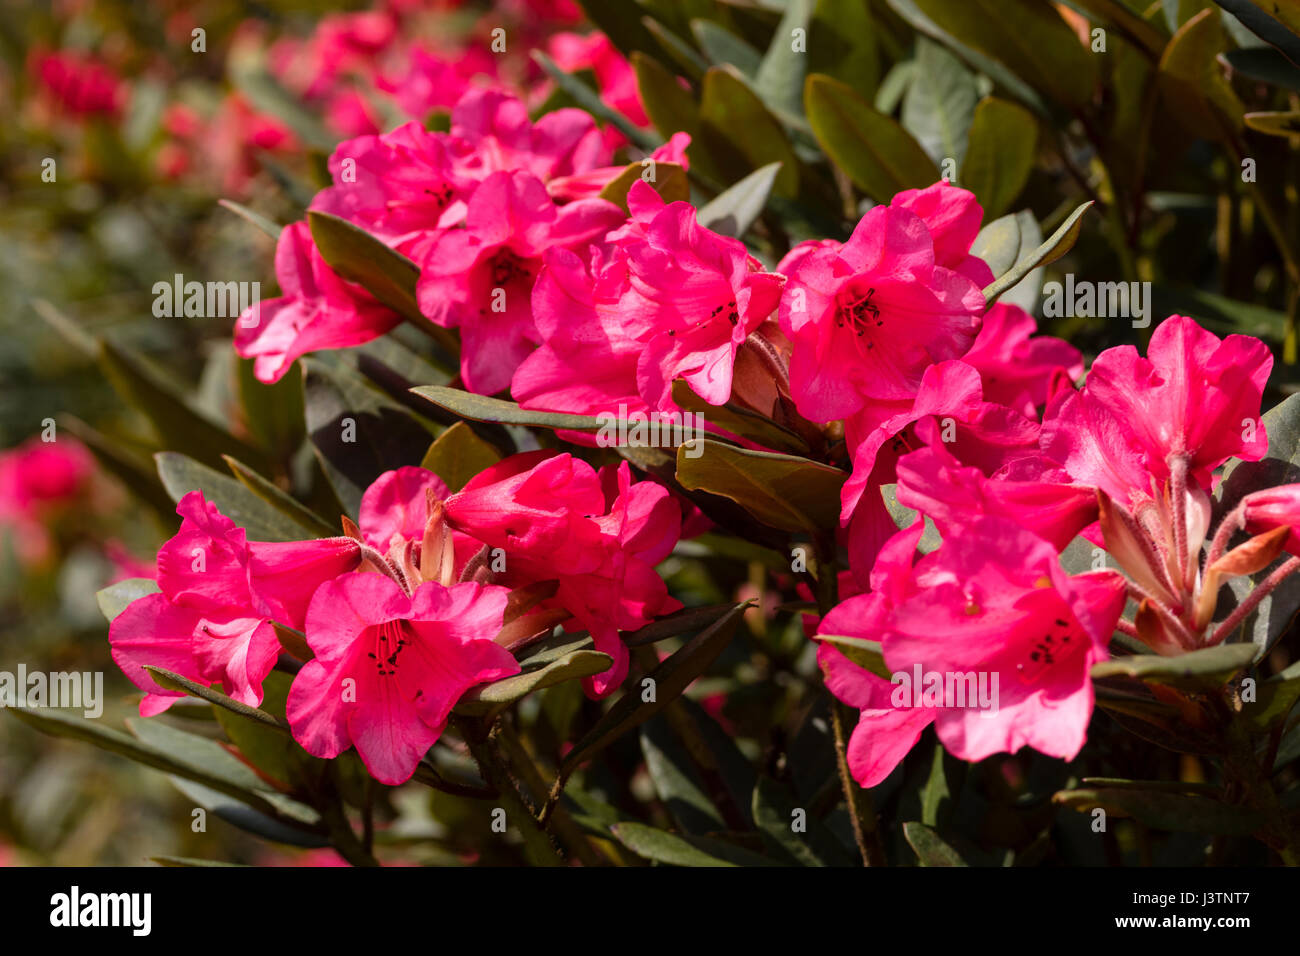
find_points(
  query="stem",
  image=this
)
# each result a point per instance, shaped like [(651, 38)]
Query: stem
[(532, 778), (540, 850), (1261, 591), (1178, 491), (862, 812), (1231, 522)]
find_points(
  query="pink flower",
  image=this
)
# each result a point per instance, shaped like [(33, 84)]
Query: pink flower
[(597, 535), (991, 604), (673, 301), (318, 310), (953, 216), (932, 481), (390, 666), (1274, 508), (949, 408), (39, 480), (564, 142), (479, 279), (397, 185), (79, 84), (1193, 402), (867, 318), (1018, 371), (211, 620)]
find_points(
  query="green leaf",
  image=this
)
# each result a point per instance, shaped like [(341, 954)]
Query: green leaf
[(189, 861), (843, 43), (936, 791), (738, 420), (115, 598), (175, 752), (669, 182), (736, 126), (457, 455), (1003, 243), (209, 759), (676, 781), (731, 213), (267, 226), (1207, 667), (1192, 86), (1264, 64), (930, 848), (384, 272), (484, 408), (1057, 245), (134, 470), (1029, 37), (670, 108), (779, 80), (671, 678), (1113, 13), (866, 654), (357, 431), (288, 506), (273, 413), (180, 426), (675, 850), (266, 95), (722, 46), (1285, 125), (1173, 812), (1254, 17), (939, 105), (589, 100), (1274, 699), (488, 698), (173, 681), (681, 622), (783, 491), (774, 815), (239, 814), (180, 475), (1003, 144), (871, 148)]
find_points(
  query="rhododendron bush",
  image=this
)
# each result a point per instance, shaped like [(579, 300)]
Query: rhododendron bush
[(808, 433)]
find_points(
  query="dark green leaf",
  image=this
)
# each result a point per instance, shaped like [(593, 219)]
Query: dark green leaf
[(783, 491), (263, 522), (871, 148), (930, 848)]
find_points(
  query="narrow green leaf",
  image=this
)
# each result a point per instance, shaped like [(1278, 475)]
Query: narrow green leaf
[(1173, 812), (484, 408), (573, 666), (267, 226), (1057, 245), (674, 850), (930, 848), (671, 678), (1207, 667)]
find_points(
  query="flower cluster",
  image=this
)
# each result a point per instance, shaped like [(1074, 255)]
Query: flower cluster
[(422, 600)]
